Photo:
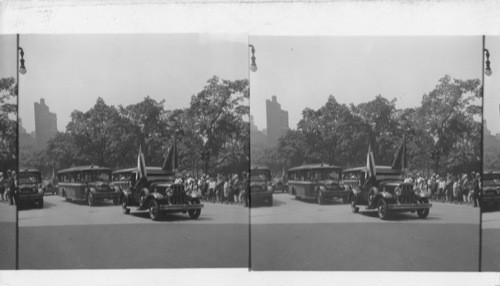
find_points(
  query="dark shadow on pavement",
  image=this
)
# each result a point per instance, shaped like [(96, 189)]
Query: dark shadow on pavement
[(398, 216), (170, 217), (46, 205)]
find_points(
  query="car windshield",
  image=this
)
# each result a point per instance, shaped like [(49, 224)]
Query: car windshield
[(492, 179), (327, 174), (260, 175), (29, 178)]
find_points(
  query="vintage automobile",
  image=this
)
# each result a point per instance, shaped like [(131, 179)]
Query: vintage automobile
[(30, 189), (261, 189), (489, 197), (158, 194), (278, 184), (48, 187), (320, 182), (387, 194), (87, 183)]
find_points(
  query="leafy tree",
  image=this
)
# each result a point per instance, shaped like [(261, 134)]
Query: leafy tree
[(217, 113), (8, 122)]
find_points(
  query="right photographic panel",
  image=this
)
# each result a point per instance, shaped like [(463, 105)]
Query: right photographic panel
[(366, 153), (489, 196)]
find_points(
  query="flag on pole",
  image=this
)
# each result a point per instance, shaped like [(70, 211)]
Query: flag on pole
[(171, 161), (370, 166), (141, 166), (400, 161)]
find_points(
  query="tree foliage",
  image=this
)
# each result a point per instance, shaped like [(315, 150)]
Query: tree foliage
[(110, 136), (443, 134), (8, 120)]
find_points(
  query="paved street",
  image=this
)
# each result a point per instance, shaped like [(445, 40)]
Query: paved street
[(490, 241), (7, 236), (66, 235), (301, 235)]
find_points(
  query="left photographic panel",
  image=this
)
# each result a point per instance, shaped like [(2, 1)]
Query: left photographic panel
[(138, 146), (8, 150)]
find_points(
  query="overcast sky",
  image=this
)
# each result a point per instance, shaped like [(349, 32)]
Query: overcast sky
[(71, 71), (492, 86), (303, 71)]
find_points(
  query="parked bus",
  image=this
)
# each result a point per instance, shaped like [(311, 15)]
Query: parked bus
[(87, 183), (319, 182)]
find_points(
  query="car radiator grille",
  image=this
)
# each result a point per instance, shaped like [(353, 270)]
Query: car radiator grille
[(179, 196), (407, 197)]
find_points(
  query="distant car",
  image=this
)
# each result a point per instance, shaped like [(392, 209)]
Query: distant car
[(260, 185), (279, 185), (385, 195), (489, 198), (48, 187), (30, 191), (158, 195)]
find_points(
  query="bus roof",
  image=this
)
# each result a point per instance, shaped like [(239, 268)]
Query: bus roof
[(84, 168), (26, 170), (314, 166), (382, 169)]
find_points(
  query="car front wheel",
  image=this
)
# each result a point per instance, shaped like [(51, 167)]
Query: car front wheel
[(383, 209), (423, 213), (154, 210), (194, 213)]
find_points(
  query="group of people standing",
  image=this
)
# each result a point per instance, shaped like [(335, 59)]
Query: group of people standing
[(8, 186), (457, 189), (228, 188)]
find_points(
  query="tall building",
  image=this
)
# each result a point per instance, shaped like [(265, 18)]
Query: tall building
[(26, 140), (277, 121), (257, 137), (45, 124)]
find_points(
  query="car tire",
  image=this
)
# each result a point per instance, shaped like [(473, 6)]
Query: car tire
[(125, 210), (194, 213), (423, 213), (382, 209), (90, 199), (354, 208), (154, 210)]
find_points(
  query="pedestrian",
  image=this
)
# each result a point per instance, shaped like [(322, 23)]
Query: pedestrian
[(2, 187), (204, 188), (243, 191), (465, 188), (227, 186), (237, 188), (476, 189), (211, 190), (455, 190), (12, 187), (441, 186)]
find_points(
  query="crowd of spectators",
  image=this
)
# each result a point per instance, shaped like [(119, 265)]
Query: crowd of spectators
[(453, 189), (222, 188)]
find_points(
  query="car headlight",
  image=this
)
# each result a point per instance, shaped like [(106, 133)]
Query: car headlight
[(170, 192), (398, 191)]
